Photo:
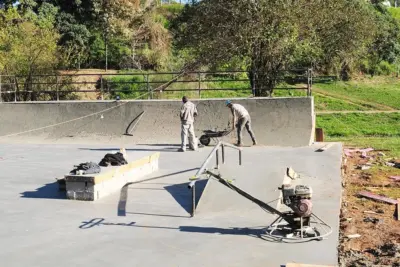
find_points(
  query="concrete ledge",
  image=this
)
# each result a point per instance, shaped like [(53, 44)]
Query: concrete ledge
[(112, 179)]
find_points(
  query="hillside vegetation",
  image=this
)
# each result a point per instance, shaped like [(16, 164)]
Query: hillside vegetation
[(338, 38)]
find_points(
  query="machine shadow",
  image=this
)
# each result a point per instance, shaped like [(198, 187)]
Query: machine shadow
[(250, 232), (48, 191), (258, 232)]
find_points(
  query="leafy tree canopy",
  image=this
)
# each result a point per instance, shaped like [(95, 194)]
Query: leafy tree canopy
[(276, 34)]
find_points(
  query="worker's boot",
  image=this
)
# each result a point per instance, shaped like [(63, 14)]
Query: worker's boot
[(238, 144), (254, 142)]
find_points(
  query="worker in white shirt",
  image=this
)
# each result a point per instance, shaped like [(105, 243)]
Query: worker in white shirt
[(187, 114), (241, 118)]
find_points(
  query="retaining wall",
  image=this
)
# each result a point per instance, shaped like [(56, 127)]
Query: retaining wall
[(276, 121)]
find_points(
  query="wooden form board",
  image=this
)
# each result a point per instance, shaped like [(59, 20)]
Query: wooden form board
[(377, 197), (398, 209)]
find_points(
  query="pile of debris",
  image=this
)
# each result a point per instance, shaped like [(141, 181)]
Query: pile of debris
[(385, 255), (370, 219)]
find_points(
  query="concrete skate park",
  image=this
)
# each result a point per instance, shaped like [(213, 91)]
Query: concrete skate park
[(147, 218)]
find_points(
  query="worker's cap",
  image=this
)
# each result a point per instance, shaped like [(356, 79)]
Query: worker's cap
[(227, 102)]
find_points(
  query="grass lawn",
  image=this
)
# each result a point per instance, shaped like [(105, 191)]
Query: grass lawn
[(381, 93), (325, 103), (380, 131)]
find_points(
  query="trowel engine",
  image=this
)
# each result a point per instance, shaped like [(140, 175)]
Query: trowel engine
[(298, 198)]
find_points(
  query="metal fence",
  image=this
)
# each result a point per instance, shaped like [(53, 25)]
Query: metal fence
[(144, 85)]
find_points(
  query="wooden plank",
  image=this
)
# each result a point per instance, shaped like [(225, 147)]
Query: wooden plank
[(319, 135), (395, 178), (377, 197)]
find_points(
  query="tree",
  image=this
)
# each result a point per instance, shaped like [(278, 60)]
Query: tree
[(6, 4), (74, 40), (28, 44), (273, 35), (386, 45)]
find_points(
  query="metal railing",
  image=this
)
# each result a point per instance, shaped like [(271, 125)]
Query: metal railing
[(58, 87), (221, 145)]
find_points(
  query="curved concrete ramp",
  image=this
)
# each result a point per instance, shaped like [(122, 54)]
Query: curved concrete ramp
[(263, 171), (276, 121)]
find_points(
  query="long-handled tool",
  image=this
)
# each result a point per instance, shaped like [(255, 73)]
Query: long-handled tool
[(297, 224)]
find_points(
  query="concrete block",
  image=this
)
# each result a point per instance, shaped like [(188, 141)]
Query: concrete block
[(110, 180)]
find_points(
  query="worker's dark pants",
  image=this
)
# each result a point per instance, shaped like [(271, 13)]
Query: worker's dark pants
[(244, 121)]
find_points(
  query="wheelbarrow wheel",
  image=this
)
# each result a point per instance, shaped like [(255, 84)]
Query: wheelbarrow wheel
[(205, 140)]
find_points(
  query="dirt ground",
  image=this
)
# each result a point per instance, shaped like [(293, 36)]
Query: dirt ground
[(87, 81), (375, 222)]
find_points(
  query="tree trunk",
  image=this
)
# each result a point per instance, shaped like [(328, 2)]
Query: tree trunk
[(264, 71), (263, 80)]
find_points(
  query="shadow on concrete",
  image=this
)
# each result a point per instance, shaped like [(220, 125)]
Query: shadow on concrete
[(146, 188), (253, 232), (129, 129), (123, 197), (175, 146), (183, 195), (158, 215), (258, 232), (162, 145), (48, 191), (101, 221), (167, 149)]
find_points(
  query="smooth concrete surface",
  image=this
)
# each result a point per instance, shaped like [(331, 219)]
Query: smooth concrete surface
[(148, 224), (276, 121)]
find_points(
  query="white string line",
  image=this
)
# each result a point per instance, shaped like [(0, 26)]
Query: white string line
[(86, 116), (65, 122)]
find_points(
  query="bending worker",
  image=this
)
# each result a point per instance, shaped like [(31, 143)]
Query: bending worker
[(188, 112), (241, 117)]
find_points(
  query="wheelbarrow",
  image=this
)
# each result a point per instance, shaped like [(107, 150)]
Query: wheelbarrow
[(205, 139)]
